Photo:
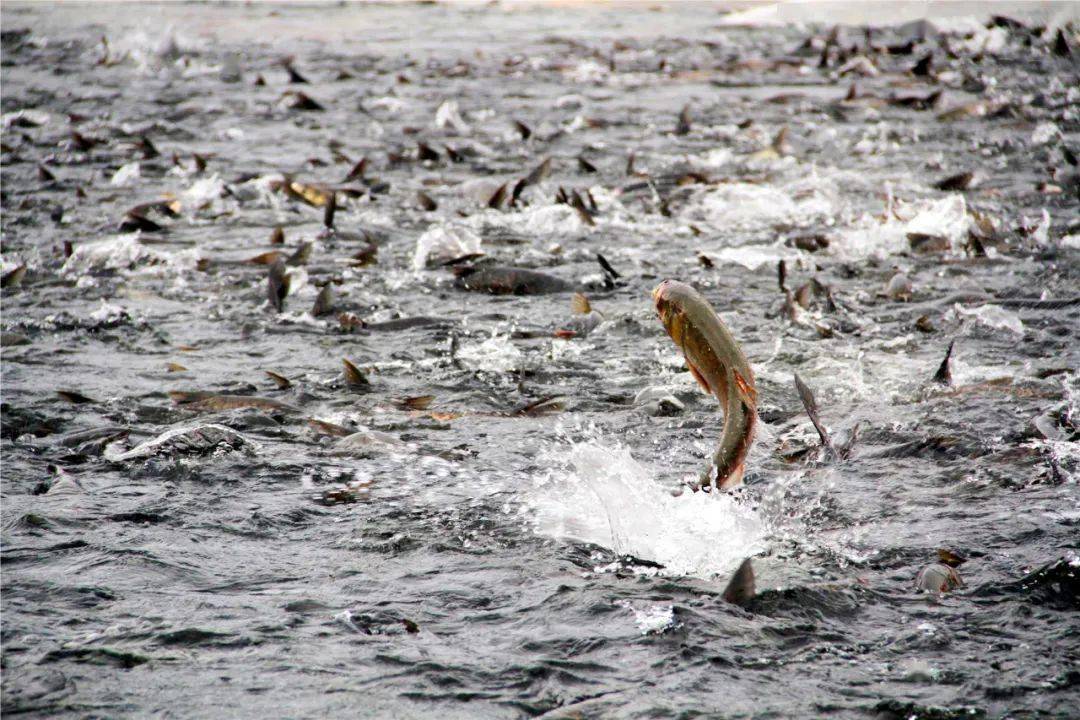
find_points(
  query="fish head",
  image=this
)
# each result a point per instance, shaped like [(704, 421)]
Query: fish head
[(684, 313)]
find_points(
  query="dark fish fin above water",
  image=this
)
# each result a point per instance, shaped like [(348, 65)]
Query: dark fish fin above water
[(74, 397), (740, 589), (324, 302), (780, 142), (426, 202), (294, 76), (579, 205), (282, 382), (523, 129), (302, 101), (924, 67), (134, 222), (944, 371), (808, 401), (354, 378), (277, 287), (330, 210), (960, 181), (425, 152), (496, 200), (608, 270), (682, 127), (539, 173), (357, 171), (519, 187)]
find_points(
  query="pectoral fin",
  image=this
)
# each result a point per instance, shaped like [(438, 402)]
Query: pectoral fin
[(699, 377), (746, 389)]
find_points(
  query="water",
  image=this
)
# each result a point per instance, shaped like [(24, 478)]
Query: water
[(492, 561)]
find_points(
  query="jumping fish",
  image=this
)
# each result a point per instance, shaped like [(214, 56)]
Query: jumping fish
[(719, 366)]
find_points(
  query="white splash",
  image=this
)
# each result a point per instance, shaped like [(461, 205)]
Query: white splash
[(205, 195), (609, 499), (448, 115), (496, 354), (871, 237), (536, 220), (107, 313), (389, 103), (752, 257), (750, 206), (442, 243), (126, 175), (1044, 133), (26, 115), (125, 252), (651, 619), (586, 72), (992, 316)]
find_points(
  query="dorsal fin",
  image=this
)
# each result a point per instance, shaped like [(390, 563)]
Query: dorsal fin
[(740, 589), (944, 371), (328, 213)]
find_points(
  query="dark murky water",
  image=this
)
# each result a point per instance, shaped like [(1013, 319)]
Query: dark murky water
[(497, 555)]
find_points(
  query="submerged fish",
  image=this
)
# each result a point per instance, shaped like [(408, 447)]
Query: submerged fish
[(719, 366), (199, 400), (505, 280)]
